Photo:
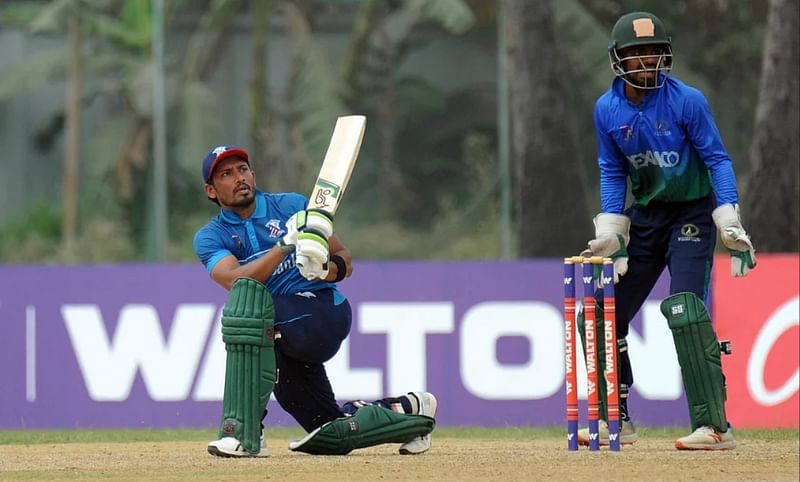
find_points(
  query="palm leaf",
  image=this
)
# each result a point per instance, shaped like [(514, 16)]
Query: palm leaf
[(198, 123), (315, 88), (453, 15), (34, 72), (209, 29)]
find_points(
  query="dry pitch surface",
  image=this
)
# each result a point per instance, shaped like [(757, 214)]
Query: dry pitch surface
[(451, 458)]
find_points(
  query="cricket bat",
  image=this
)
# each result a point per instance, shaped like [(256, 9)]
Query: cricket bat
[(337, 166)]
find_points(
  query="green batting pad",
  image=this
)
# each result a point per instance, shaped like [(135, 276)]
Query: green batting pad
[(371, 425), (247, 330), (699, 357)]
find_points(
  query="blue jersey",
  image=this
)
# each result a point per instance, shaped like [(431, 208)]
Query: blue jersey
[(668, 145), (249, 239)]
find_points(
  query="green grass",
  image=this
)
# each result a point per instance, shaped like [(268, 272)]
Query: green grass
[(291, 433)]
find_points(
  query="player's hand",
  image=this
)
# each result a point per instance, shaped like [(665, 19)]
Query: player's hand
[(312, 255), (315, 220), (735, 239), (315, 226), (611, 236), (313, 270), (288, 242)]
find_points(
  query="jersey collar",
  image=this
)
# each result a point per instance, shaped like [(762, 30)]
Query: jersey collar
[(618, 87)]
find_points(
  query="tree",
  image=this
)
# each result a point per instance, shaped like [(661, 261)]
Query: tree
[(550, 191), (771, 199), (69, 224)]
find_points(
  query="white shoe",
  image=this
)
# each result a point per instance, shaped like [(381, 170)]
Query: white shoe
[(707, 438), (627, 433), (231, 447), (427, 407)]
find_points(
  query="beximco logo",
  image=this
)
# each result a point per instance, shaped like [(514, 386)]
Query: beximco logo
[(650, 158)]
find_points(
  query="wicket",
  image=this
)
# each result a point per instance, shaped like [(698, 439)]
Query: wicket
[(610, 344)]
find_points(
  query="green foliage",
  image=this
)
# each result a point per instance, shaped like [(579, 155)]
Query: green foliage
[(35, 238), (442, 139), (42, 221), (19, 13), (37, 71), (454, 15)]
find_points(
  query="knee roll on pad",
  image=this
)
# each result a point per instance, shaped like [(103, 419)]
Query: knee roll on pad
[(699, 356), (371, 425), (248, 332)]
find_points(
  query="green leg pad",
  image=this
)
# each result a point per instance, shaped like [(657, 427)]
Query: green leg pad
[(371, 425), (699, 357), (248, 332), (602, 393)]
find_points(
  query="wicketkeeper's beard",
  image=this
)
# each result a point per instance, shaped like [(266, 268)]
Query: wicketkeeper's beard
[(642, 81)]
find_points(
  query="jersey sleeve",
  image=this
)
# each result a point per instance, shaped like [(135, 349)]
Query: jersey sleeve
[(296, 201), (706, 139), (613, 168), (209, 248)]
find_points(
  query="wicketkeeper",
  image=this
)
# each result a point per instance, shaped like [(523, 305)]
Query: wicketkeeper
[(658, 132), (281, 323)]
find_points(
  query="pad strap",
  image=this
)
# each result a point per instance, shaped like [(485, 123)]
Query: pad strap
[(371, 425)]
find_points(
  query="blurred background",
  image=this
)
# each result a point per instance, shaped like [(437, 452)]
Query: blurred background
[(479, 141), (477, 175)]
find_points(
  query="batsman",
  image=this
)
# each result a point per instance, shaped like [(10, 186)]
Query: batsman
[(282, 322), (659, 133)]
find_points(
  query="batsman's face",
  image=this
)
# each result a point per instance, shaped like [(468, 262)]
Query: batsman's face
[(233, 183)]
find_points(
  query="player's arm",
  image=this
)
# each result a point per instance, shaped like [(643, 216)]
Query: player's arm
[(345, 260), (610, 225), (706, 139), (613, 168), (228, 269)]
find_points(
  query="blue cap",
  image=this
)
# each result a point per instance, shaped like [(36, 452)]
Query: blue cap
[(217, 154)]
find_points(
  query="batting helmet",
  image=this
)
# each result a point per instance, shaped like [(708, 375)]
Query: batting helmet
[(640, 28)]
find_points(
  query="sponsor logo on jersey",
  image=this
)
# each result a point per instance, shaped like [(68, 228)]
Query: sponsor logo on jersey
[(628, 131), (274, 228), (649, 158), (690, 232), (662, 129)]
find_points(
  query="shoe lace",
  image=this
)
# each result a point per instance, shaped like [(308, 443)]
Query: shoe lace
[(704, 430)]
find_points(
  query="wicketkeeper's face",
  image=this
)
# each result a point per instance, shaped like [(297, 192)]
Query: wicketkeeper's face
[(233, 183), (643, 63)]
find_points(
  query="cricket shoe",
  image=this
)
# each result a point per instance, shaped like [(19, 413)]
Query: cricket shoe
[(627, 433), (707, 438), (426, 404), (231, 447)]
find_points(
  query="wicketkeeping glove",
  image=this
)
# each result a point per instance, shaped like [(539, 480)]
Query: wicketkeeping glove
[(735, 239), (611, 236)]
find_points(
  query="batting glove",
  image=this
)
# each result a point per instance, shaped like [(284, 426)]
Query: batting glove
[(289, 240), (315, 220), (312, 255)]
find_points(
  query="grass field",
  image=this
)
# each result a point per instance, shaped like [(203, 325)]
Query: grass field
[(457, 454)]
